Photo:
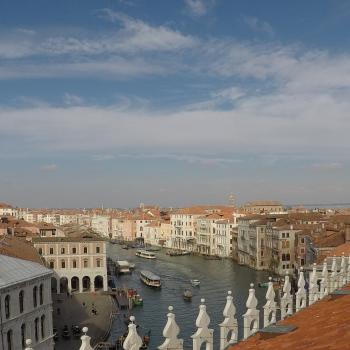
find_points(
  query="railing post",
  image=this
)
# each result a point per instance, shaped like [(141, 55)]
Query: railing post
[(301, 293), (334, 273), (85, 340), (313, 287), (28, 345), (229, 324), (133, 341), (287, 299), (325, 280), (170, 333), (251, 317), (348, 276), (203, 334), (343, 271), (270, 306)]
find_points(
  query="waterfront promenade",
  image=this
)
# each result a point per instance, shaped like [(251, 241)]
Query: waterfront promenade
[(77, 309)]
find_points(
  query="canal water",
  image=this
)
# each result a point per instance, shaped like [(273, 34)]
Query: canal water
[(216, 277)]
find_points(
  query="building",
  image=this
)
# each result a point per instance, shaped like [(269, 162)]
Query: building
[(101, 225), (7, 210), (263, 207), (158, 233), (79, 263), (25, 297)]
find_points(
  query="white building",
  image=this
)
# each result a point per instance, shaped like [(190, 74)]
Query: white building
[(100, 224), (7, 210), (26, 306)]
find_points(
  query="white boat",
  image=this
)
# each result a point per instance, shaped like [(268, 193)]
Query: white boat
[(145, 254), (150, 279), (122, 266), (195, 283)]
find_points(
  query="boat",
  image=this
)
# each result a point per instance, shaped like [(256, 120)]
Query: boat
[(145, 254), (150, 279), (125, 247), (132, 266), (186, 252), (195, 283), (137, 300), (212, 257), (122, 266), (187, 294)]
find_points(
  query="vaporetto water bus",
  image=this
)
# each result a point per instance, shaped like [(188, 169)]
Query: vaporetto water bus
[(150, 279), (145, 254)]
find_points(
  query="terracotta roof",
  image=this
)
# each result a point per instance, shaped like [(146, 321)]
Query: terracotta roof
[(18, 248), (263, 203), (5, 205), (338, 251), (322, 326), (67, 239)]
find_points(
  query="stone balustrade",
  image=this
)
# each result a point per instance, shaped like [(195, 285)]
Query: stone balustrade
[(339, 276)]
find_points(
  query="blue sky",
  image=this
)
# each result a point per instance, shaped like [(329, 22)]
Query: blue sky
[(173, 102)]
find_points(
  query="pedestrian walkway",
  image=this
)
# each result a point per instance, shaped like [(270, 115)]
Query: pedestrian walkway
[(92, 310)]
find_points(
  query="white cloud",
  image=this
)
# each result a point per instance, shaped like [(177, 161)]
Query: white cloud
[(70, 99), (198, 8), (259, 26), (327, 166)]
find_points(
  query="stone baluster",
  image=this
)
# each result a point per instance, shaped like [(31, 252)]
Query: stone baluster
[(170, 333), (348, 276), (85, 340), (342, 279), (229, 327), (313, 287), (287, 299), (324, 282), (334, 273), (270, 306), (251, 317), (203, 334), (133, 341), (301, 293), (28, 345)]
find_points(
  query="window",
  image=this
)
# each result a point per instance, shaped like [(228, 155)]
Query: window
[(62, 251), (74, 250), (302, 240), (85, 250), (42, 326), (63, 264), (7, 306), (9, 340), (41, 294), (51, 251), (35, 296), (21, 301), (36, 323), (302, 262), (86, 263), (52, 264), (74, 264), (40, 251), (98, 262), (23, 335), (97, 250)]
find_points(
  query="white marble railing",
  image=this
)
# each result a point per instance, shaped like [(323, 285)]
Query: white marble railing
[(339, 276)]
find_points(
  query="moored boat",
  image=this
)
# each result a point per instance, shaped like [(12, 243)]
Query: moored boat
[(187, 294), (195, 283), (145, 254), (150, 279)]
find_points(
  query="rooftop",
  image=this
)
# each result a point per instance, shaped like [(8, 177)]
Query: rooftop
[(14, 270), (67, 239)]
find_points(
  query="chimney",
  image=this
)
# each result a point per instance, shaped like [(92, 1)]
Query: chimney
[(291, 227), (347, 232), (12, 231)]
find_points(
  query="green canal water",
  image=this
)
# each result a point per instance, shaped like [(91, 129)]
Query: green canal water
[(216, 277)]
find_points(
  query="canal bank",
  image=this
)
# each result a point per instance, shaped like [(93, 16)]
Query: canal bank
[(216, 277)]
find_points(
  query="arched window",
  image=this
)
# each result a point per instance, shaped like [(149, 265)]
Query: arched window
[(63, 264), (85, 250), (23, 335), (86, 263), (42, 326), (35, 296), (74, 264), (21, 301), (7, 306), (36, 323), (41, 294), (9, 340)]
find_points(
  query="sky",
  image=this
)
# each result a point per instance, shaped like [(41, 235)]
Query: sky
[(117, 102)]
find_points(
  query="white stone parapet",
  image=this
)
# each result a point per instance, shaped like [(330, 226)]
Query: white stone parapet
[(28, 345), (229, 327), (170, 333), (301, 293), (313, 286), (324, 281), (251, 317), (287, 299), (203, 334), (270, 307), (133, 341)]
